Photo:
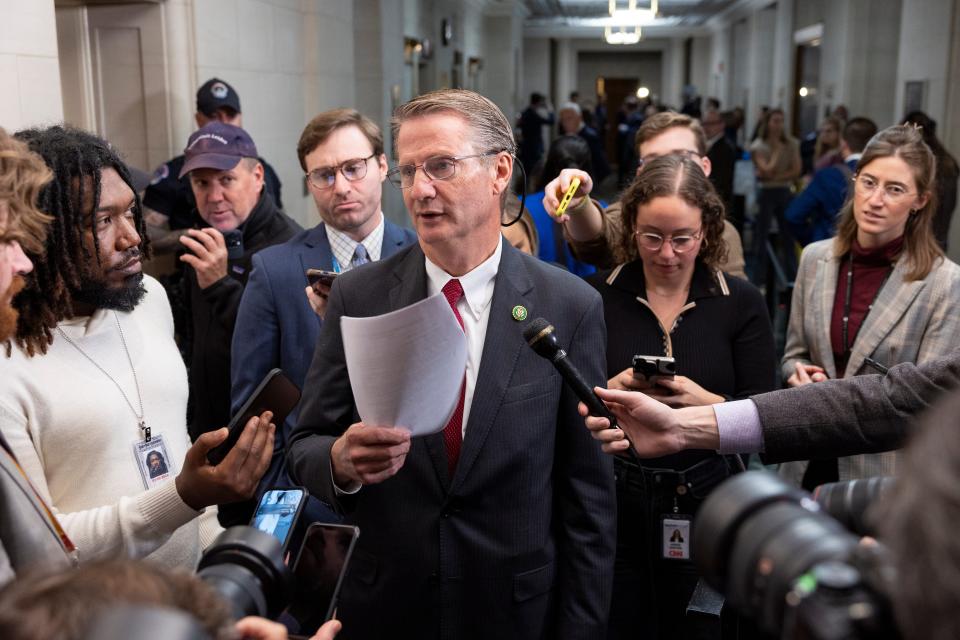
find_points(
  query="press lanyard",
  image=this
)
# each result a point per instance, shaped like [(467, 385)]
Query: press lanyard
[(848, 296), (336, 265)]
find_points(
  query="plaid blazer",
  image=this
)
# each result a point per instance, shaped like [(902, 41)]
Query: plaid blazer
[(910, 322)]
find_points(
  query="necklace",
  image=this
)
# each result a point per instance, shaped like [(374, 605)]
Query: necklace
[(847, 299), (141, 423)]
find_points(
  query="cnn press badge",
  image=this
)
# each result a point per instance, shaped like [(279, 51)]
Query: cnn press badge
[(676, 536)]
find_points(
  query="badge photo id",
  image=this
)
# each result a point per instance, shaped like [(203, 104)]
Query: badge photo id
[(154, 463), (676, 537)]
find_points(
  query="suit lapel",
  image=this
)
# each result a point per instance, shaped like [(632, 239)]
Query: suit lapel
[(827, 272), (316, 253), (501, 350), (410, 286), (10, 468), (893, 301), (392, 239)]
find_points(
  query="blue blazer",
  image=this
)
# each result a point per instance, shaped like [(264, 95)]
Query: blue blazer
[(276, 327), (812, 215)]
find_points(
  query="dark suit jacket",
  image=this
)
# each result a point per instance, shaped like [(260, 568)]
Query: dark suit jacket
[(27, 538), (862, 414), (520, 542), (723, 158), (276, 327)]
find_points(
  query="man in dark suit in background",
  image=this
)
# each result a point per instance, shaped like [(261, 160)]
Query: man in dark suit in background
[(341, 152), (502, 525), (723, 159)]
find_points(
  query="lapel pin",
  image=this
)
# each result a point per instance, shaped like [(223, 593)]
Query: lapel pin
[(519, 313)]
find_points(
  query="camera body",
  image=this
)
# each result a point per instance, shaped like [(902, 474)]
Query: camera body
[(654, 367)]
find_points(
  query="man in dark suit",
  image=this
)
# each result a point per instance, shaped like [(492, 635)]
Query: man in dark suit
[(341, 152), (812, 215), (723, 159), (572, 124), (503, 524)]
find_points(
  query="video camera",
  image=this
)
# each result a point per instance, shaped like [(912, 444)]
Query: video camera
[(781, 560)]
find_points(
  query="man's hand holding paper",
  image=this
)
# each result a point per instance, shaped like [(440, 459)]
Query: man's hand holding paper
[(406, 369)]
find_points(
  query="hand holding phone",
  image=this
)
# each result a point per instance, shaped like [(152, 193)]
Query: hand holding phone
[(321, 276), (275, 393), (651, 368)]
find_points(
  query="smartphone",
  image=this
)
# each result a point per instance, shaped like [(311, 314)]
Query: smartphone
[(234, 242), (278, 511), (319, 275), (275, 393), (319, 571), (650, 367)]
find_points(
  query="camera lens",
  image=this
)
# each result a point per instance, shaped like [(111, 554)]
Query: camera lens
[(849, 502), (756, 535), (245, 566)]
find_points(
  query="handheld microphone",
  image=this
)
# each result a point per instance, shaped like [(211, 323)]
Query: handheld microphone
[(540, 335)]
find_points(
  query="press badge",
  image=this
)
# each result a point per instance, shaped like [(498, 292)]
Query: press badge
[(675, 531), (154, 464)]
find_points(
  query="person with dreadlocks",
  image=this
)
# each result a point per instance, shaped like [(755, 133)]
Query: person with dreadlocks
[(94, 382)]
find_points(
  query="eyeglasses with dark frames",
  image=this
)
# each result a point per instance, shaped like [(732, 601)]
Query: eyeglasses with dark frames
[(353, 170)]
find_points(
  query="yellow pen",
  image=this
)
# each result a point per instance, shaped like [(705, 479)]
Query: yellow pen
[(568, 196)]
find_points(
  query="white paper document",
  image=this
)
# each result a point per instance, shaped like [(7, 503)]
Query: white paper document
[(406, 366)]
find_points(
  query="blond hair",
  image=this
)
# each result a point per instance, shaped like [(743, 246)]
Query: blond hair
[(23, 175), (920, 247)]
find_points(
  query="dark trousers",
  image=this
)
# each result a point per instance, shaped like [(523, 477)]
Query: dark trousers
[(650, 593), (772, 203)]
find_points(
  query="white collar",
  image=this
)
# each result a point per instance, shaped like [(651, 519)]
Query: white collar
[(477, 284)]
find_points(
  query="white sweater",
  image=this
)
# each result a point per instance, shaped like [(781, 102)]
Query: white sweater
[(73, 433)]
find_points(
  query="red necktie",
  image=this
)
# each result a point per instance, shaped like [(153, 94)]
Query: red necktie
[(453, 432)]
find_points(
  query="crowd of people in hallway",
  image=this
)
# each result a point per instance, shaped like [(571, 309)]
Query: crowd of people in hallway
[(521, 518)]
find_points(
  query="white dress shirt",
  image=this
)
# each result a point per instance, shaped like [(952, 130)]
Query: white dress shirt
[(474, 308)]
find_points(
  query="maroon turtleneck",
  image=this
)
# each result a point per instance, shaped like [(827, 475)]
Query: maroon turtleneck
[(871, 267)]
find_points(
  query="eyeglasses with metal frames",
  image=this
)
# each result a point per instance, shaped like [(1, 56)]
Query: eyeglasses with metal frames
[(654, 241), (892, 193), (436, 168), (353, 170)]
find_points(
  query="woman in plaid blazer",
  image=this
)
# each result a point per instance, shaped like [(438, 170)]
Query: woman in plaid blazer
[(879, 293)]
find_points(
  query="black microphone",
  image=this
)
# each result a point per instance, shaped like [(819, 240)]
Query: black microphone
[(540, 335)]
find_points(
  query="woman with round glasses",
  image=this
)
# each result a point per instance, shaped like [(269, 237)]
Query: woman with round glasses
[(671, 300), (880, 293)]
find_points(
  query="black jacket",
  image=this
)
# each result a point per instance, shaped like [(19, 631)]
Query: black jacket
[(722, 339), (214, 312)]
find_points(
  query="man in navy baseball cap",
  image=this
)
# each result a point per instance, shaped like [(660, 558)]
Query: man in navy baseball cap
[(220, 161), (217, 146)]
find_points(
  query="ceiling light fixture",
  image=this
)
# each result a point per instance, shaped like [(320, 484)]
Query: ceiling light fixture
[(627, 22)]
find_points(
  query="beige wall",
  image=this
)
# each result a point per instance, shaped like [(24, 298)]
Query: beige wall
[(29, 66)]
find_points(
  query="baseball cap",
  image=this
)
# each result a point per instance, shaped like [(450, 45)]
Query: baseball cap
[(217, 146), (216, 94)]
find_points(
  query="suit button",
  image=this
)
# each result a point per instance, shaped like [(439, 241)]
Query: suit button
[(445, 513)]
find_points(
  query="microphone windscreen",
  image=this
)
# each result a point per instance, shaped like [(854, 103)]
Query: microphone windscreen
[(536, 326)]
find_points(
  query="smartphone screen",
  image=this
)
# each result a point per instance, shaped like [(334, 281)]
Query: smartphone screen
[(319, 572), (277, 512)]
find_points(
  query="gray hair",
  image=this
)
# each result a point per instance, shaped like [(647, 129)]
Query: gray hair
[(492, 130)]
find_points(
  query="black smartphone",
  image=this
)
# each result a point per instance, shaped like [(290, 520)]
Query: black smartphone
[(650, 367), (319, 570), (276, 393), (320, 275), (278, 511), (234, 241)]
